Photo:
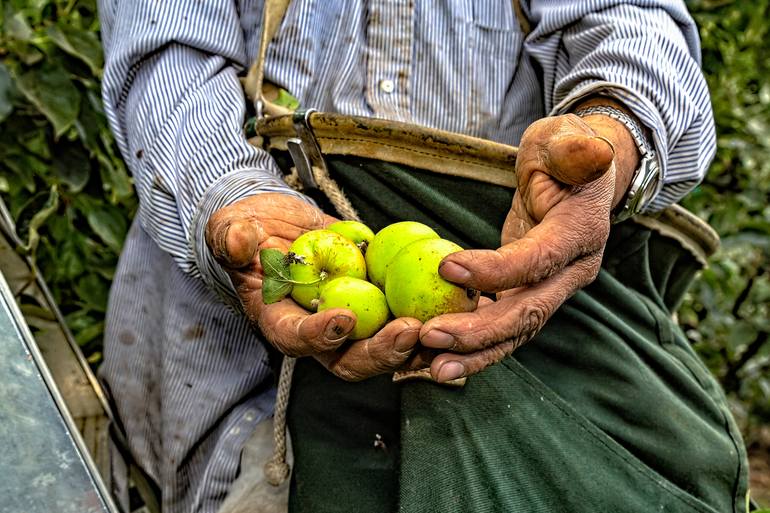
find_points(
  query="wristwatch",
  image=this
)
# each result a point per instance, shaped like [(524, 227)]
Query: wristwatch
[(644, 184)]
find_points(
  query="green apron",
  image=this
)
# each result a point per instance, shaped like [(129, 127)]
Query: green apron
[(607, 409)]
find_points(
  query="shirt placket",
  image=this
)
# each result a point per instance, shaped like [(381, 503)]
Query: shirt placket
[(390, 33)]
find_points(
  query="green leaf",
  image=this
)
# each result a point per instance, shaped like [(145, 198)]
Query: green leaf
[(285, 99), (109, 224), (33, 237), (93, 291), (274, 264), (6, 88), (71, 164), (16, 26), (26, 166), (273, 290), (49, 88), (89, 333), (79, 43)]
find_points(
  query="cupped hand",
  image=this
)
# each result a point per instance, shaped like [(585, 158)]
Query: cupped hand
[(551, 244), (235, 235)]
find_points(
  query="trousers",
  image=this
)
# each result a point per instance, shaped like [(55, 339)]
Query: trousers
[(608, 408)]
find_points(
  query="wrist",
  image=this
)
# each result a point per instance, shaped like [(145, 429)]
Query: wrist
[(627, 155), (633, 191)]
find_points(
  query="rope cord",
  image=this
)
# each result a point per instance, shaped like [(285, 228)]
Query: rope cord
[(277, 470)]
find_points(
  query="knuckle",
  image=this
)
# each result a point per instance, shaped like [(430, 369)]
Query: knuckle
[(531, 319), (544, 259), (481, 333), (500, 351), (346, 373)]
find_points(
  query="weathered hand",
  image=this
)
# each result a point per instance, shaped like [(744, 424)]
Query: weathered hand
[(552, 241), (236, 233)]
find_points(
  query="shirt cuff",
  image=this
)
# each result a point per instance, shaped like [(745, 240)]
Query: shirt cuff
[(644, 111), (225, 191)]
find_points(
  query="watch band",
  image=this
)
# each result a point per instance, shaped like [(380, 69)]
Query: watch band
[(644, 183)]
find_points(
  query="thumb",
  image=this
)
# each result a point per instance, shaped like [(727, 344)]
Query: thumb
[(234, 244), (577, 159)]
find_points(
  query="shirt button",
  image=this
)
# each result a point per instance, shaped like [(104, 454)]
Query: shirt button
[(387, 86)]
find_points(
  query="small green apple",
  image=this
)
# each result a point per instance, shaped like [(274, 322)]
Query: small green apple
[(364, 299), (388, 242), (317, 257), (359, 233), (414, 288)]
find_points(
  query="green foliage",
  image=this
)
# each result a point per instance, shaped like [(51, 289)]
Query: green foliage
[(60, 172), (727, 312)]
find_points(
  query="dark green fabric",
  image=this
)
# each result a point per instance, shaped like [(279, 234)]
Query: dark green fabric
[(607, 409)]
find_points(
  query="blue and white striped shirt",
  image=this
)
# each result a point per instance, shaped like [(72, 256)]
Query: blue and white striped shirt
[(174, 101)]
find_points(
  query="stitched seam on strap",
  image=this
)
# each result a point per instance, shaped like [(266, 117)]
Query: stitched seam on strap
[(428, 154)]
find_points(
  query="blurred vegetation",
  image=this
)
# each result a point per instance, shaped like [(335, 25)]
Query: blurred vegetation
[(727, 312), (60, 172), (63, 180)]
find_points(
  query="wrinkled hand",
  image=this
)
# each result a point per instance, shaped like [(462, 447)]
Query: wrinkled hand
[(236, 233), (552, 242)]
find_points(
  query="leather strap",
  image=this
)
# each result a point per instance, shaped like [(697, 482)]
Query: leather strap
[(399, 143), (261, 93), (272, 16)]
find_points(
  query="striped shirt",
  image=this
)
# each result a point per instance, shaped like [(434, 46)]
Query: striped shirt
[(189, 377)]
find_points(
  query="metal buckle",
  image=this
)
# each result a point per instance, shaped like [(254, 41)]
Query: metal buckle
[(304, 149)]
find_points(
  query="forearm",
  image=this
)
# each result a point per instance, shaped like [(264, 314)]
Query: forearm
[(646, 58), (627, 156), (177, 112)]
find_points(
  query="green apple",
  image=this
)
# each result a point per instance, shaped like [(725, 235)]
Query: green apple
[(359, 233), (388, 242), (364, 299), (414, 288), (317, 257)]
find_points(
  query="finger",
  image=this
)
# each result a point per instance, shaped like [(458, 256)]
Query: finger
[(515, 317), (294, 332), (548, 247), (448, 366), (234, 243), (577, 159), (420, 359), (565, 147), (235, 232), (385, 352)]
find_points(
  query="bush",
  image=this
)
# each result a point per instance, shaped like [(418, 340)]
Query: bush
[(60, 172), (727, 312)]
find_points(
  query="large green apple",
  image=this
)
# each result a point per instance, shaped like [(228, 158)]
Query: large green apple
[(317, 257), (359, 233), (414, 288), (363, 298), (388, 242)]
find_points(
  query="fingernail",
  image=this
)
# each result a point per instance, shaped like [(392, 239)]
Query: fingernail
[(338, 327), (438, 339), (612, 146), (405, 341), (454, 272), (450, 370)]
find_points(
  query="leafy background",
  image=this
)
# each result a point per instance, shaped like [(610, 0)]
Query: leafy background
[(68, 190)]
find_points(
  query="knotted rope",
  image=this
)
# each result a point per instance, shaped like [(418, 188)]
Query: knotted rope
[(277, 470)]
